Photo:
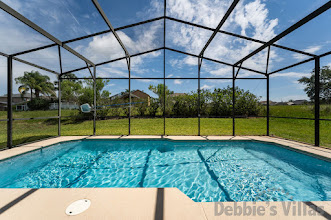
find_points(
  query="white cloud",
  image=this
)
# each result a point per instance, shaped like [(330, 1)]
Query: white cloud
[(312, 50), (16, 37), (225, 71), (299, 85), (178, 82), (248, 17), (290, 74), (205, 86), (146, 80), (192, 61), (106, 47), (182, 63), (175, 63)]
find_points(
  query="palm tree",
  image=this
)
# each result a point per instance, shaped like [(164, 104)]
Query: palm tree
[(40, 83)]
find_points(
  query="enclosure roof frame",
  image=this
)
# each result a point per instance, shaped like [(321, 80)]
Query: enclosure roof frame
[(40, 30), (200, 57), (104, 16), (225, 17), (289, 30), (271, 42)]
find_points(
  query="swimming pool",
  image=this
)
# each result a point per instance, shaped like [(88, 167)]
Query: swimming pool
[(206, 171)]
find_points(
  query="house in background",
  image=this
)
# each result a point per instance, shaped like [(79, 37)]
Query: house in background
[(19, 101), (270, 103), (295, 102), (177, 94), (136, 96), (64, 105), (300, 102)]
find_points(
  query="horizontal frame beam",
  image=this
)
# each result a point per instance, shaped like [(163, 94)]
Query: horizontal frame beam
[(303, 21), (110, 61), (88, 36), (213, 60), (38, 118), (301, 62), (241, 36), (160, 78), (298, 118), (168, 18), (32, 25), (280, 117), (293, 65), (167, 48), (30, 64)]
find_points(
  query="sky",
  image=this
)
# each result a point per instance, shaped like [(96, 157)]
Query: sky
[(259, 19)]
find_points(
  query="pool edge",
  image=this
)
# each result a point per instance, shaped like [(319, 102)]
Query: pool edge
[(318, 152)]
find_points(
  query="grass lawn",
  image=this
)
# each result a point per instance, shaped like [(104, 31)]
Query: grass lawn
[(300, 130), (300, 111)]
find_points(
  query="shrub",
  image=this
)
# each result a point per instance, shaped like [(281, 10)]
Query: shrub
[(38, 104)]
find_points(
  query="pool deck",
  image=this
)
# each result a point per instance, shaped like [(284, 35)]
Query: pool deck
[(147, 203)]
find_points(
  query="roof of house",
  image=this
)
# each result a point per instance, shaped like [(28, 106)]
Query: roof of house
[(134, 93), (26, 95), (300, 101), (177, 94)]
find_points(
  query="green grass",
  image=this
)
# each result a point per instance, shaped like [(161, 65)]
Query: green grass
[(38, 114), (300, 111), (300, 130)]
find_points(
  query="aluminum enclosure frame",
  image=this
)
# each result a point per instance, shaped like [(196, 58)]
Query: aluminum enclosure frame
[(236, 67)]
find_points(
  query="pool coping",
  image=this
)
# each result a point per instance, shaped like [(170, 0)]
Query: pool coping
[(141, 203), (319, 152)]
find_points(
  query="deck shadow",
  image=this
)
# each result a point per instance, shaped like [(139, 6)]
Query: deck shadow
[(321, 211), (17, 200), (159, 206)]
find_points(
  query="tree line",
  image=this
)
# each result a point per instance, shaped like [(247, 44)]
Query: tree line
[(217, 102)]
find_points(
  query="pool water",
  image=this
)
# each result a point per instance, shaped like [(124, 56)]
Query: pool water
[(206, 171)]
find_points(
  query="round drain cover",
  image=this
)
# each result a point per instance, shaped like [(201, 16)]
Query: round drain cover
[(78, 207)]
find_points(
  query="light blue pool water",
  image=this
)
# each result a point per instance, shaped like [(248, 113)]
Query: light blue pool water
[(204, 171)]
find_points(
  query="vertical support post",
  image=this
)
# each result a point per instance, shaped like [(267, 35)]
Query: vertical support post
[(59, 92), (128, 61), (164, 66), (94, 99), (268, 91), (164, 94), (59, 106), (233, 102), (9, 102), (317, 101), (199, 93), (268, 105)]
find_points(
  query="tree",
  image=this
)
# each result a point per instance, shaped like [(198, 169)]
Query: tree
[(70, 87), (87, 92), (39, 83), (325, 85), (159, 91)]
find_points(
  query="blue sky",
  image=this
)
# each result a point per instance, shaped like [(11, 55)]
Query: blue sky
[(260, 19)]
